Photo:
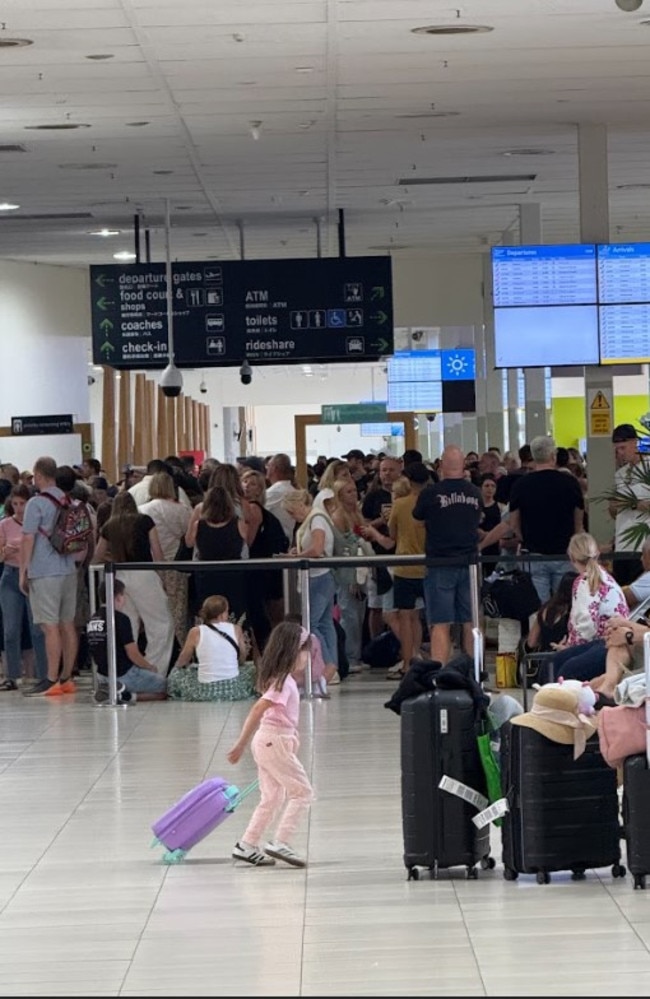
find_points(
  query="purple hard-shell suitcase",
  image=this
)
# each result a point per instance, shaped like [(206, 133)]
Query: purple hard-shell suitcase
[(195, 815)]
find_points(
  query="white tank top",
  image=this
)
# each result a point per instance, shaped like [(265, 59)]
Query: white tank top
[(217, 658)]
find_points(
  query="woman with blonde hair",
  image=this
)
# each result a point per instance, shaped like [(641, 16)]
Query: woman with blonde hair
[(171, 519), (596, 598), (344, 509)]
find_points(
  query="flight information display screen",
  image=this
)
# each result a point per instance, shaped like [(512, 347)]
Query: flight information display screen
[(623, 273), (625, 334), (538, 337), (544, 275)]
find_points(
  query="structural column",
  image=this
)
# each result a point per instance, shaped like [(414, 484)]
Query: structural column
[(530, 232), (125, 445), (593, 178), (108, 458)]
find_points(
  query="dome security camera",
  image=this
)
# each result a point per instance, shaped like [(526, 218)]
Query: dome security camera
[(245, 373), (91, 380), (171, 381), (629, 6), (431, 417), (203, 388)]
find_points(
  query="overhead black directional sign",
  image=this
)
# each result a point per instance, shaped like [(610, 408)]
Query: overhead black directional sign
[(270, 311)]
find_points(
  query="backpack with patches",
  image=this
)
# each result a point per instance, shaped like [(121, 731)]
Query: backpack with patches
[(72, 526)]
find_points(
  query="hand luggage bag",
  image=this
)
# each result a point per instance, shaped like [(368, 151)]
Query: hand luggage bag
[(196, 815), (438, 732), (636, 797), (563, 812)]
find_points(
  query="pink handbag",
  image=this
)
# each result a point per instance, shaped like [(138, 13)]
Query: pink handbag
[(621, 733)]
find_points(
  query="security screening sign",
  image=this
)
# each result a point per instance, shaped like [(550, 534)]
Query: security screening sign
[(270, 311)]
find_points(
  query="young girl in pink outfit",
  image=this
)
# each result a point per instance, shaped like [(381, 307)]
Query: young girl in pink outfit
[(272, 724)]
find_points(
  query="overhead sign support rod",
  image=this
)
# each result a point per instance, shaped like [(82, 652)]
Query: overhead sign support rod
[(171, 380), (341, 233)]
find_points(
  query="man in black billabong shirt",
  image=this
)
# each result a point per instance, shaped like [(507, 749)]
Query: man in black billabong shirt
[(451, 510)]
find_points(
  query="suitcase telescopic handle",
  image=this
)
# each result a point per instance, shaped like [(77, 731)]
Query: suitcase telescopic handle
[(238, 798), (478, 653)]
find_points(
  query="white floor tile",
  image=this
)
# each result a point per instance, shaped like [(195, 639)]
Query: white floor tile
[(88, 908)]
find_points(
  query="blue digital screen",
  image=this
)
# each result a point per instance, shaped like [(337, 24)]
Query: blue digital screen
[(382, 429), (623, 273), (458, 365), (544, 275)]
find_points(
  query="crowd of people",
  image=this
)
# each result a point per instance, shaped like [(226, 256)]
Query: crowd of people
[(197, 633)]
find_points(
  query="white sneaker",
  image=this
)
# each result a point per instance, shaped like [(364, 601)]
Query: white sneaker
[(283, 852), (396, 670), (250, 854), (334, 680)]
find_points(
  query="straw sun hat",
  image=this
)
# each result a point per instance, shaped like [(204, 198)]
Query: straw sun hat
[(554, 714)]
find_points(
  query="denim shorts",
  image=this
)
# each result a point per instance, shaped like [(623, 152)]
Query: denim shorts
[(144, 681), (408, 593), (447, 595)]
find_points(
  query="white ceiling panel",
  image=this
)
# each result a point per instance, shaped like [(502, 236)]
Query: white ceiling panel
[(341, 96)]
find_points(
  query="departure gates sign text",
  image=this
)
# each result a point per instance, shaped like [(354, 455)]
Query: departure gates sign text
[(269, 311)]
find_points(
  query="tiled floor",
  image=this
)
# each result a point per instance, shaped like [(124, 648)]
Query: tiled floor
[(87, 908)]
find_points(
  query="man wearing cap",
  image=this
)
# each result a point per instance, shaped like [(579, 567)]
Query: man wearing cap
[(356, 460), (631, 468)]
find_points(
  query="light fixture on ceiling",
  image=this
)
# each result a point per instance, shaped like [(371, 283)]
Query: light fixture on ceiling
[(124, 255), (452, 29), (104, 232), (100, 56), (87, 166), (63, 126), (254, 127), (137, 124), (8, 206), (632, 187), (304, 69), (162, 173), (528, 151), (430, 114), (15, 43), (629, 6)]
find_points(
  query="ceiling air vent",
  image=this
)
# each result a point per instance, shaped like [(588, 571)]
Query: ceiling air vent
[(12, 147), (505, 178)]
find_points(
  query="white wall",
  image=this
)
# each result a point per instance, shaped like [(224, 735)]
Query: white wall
[(44, 322)]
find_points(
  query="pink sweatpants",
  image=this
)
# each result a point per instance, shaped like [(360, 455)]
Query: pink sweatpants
[(285, 790)]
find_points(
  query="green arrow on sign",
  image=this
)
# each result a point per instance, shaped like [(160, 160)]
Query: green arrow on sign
[(107, 348), (102, 280), (106, 325), (377, 292), (380, 316), (380, 345), (105, 303)]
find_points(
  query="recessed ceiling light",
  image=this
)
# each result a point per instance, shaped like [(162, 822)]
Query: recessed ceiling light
[(452, 29), (632, 187), (15, 43), (104, 232), (100, 56), (525, 151), (182, 208), (137, 124), (87, 166), (8, 206), (162, 173), (60, 127), (200, 235), (304, 69), (124, 255)]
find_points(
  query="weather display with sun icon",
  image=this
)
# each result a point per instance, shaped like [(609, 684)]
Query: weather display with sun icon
[(458, 365)]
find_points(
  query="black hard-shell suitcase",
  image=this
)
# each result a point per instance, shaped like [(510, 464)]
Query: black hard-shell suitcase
[(439, 732), (563, 812), (636, 799)]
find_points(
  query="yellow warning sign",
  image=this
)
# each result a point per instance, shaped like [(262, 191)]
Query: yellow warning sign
[(600, 414), (600, 402)]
